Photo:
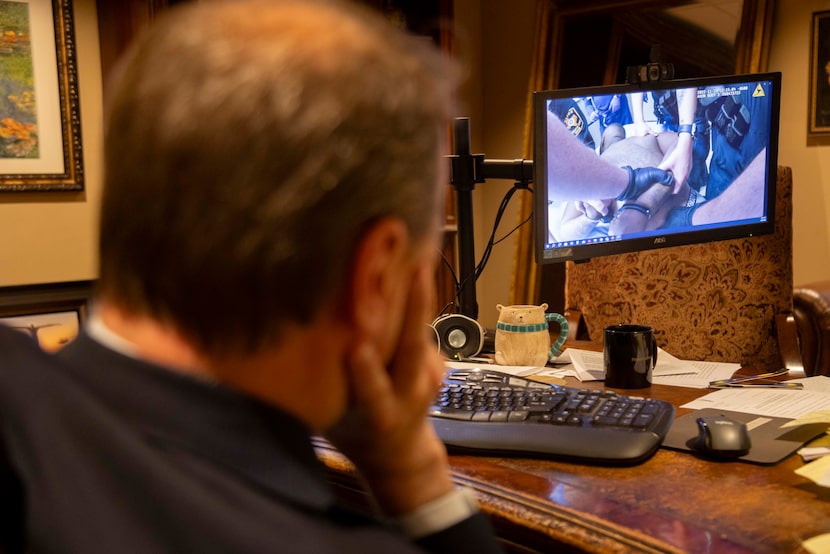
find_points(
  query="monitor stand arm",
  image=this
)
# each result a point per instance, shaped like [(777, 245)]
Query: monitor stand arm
[(467, 169)]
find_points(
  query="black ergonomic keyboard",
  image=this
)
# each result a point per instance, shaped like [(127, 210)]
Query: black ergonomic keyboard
[(488, 412)]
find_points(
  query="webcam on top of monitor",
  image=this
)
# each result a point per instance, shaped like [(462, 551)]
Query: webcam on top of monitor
[(649, 73)]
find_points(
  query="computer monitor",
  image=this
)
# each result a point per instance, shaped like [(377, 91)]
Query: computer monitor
[(717, 137)]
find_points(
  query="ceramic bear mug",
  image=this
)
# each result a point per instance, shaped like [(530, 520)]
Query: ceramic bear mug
[(523, 336)]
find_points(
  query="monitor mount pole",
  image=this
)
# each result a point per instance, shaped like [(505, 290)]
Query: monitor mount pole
[(467, 169)]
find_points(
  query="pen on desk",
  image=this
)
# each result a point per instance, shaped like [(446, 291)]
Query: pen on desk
[(747, 382), (772, 385)]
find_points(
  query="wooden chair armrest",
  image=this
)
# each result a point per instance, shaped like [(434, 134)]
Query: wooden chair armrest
[(576, 325), (811, 308), (787, 332)]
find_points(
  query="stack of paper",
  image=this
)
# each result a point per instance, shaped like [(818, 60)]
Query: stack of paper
[(819, 447), (817, 471), (811, 453), (772, 402), (587, 365)]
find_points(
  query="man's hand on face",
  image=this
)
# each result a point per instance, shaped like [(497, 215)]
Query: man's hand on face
[(386, 432)]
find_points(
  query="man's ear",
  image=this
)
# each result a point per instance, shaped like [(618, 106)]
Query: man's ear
[(377, 268)]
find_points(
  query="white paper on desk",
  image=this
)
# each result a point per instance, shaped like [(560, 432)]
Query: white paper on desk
[(562, 366), (820, 544), (563, 358), (590, 365), (562, 371), (705, 372), (787, 403), (817, 383), (670, 365), (587, 364), (517, 370), (817, 471), (810, 453)]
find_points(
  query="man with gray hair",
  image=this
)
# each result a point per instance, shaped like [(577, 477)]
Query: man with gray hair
[(269, 229)]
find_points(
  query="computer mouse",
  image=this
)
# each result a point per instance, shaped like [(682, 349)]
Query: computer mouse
[(721, 437)]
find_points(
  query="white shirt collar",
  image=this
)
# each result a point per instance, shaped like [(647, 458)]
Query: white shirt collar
[(98, 330)]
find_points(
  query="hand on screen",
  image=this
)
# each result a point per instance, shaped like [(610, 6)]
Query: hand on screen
[(642, 179), (594, 209), (679, 161)]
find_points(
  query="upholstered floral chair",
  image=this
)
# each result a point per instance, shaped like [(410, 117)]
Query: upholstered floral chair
[(715, 302)]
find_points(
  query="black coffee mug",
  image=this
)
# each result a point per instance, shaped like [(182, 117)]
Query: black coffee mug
[(630, 356)]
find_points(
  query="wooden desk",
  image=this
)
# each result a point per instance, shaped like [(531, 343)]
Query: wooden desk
[(674, 502)]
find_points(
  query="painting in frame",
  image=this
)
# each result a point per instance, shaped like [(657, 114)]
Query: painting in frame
[(51, 315), (40, 129), (818, 131)]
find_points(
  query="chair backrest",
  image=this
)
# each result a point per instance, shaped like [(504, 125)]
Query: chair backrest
[(811, 311), (714, 302)]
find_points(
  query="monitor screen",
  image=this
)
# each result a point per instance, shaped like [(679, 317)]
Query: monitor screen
[(632, 167)]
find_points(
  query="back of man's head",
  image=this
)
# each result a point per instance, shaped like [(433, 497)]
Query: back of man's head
[(248, 144)]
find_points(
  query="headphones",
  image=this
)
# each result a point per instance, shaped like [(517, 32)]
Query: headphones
[(458, 336)]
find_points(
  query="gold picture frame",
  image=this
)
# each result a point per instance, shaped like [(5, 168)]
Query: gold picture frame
[(818, 124), (40, 123)]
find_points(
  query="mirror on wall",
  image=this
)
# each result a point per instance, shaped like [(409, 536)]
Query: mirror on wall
[(598, 41)]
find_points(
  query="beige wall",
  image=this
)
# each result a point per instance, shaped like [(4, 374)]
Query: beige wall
[(506, 30), (790, 54), (496, 97), (50, 237)]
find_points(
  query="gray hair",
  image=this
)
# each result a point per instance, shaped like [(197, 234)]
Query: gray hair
[(248, 145)]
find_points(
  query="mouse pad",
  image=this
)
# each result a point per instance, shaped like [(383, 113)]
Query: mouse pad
[(770, 443)]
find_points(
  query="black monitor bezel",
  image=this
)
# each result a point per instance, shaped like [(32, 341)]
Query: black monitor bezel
[(596, 249)]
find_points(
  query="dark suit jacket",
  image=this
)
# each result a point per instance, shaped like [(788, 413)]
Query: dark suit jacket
[(102, 453)]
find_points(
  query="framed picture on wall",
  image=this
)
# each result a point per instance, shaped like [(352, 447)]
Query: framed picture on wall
[(818, 130), (51, 315), (40, 123)]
